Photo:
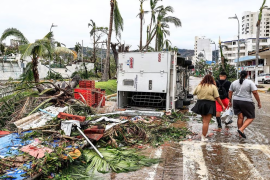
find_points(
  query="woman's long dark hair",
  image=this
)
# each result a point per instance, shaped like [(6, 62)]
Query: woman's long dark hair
[(208, 80), (243, 76)]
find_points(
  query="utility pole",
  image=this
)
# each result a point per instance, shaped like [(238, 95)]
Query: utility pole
[(258, 41), (82, 50)]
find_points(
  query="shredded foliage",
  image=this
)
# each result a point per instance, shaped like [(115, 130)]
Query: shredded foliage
[(117, 160), (118, 20)]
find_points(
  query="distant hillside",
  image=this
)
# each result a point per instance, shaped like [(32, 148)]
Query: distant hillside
[(186, 52)]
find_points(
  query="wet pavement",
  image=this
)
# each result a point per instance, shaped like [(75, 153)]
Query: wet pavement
[(226, 156)]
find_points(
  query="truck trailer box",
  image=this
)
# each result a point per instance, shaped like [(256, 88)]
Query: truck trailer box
[(150, 79)]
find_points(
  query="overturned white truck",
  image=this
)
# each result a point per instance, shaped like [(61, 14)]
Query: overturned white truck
[(157, 80)]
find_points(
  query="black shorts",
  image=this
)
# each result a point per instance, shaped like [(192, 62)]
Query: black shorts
[(245, 107), (205, 107)]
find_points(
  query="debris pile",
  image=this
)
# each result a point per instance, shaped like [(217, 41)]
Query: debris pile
[(60, 136)]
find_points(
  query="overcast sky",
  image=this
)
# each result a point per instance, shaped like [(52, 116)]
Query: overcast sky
[(199, 18)]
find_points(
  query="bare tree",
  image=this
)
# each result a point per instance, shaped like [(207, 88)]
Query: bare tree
[(117, 20), (258, 41)]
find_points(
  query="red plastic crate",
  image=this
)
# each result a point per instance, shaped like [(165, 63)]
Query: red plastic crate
[(87, 94), (87, 84), (66, 116)]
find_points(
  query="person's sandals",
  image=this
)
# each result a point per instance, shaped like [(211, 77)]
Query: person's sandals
[(203, 138), (241, 134), (230, 122)]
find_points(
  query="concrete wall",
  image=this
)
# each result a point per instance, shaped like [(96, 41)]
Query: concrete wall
[(65, 72), (12, 69)]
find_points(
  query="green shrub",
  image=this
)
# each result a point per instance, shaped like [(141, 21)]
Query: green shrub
[(10, 79), (229, 69), (83, 74), (54, 76)]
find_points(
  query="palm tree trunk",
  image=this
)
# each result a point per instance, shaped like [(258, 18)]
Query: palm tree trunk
[(39, 87), (257, 50), (149, 32), (110, 75), (94, 54), (35, 69), (105, 76), (156, 44), (223, 62), (141, 28), (150, 40)]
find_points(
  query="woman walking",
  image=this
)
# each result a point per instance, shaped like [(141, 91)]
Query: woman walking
[(243, 105), (207, 95)]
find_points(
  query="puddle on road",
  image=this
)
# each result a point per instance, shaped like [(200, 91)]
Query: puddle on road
[(224, 156)]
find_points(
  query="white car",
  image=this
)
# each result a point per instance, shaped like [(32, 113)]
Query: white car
[(265, 78)]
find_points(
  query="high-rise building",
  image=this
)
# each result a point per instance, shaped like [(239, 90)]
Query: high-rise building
[(249, 21), (248, 35), (202, 48)]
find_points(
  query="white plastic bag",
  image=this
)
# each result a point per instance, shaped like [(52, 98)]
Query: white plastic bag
[(227, 115)]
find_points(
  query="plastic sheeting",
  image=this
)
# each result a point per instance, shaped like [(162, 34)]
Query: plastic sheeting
[(39, 119), (11, 143), (10, 146)]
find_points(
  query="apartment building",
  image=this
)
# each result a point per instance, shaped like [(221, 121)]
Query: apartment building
[(230, 48), (248, 35), (202, 48), (249, 21)]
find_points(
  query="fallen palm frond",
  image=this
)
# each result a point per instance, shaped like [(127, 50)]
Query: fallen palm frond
[(26, 100), (39, 106), (117, 160), (156, 134)]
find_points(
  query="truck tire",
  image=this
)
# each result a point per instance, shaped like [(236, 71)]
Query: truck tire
[(188, 63), (263, 81), (179, 104), (180, 61), (191, 67), (186, 103), (190, 96)]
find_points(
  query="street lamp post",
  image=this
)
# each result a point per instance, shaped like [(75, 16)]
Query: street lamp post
[(235, 17), (53, 25)]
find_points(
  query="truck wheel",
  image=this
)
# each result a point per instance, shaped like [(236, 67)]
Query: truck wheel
[(263, 81), (189, 96), (186, 103)]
